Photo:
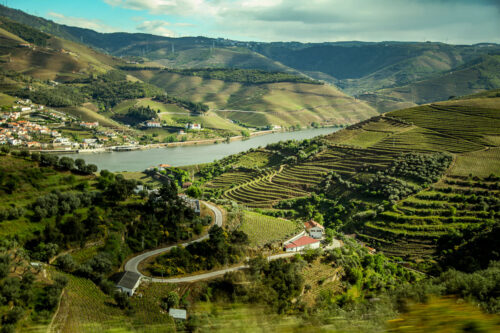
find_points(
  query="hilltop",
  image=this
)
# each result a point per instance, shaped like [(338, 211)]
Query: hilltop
[(388, 75), (122, 96)]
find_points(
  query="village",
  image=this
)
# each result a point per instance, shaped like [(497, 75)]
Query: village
[(33, 126)]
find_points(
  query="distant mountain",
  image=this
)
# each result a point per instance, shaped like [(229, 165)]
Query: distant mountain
[(29, 55), (388, 75), (482, 73)]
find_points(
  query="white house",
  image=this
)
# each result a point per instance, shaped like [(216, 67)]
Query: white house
[(193, 126), (61, 142), (302, 243), (153, 124), (14, 142), (314, 229), (178, 313), (90, 141), (128, 283), (89, 125)]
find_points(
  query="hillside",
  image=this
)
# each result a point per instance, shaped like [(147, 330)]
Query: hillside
[(288, 99), (475, 76), (283, 103), (387, 75), (400, 181)]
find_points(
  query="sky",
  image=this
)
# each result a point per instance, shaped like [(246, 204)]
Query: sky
[(449, 21)]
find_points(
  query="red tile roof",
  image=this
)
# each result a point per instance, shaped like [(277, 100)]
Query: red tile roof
[(313, 224), (304, 240)]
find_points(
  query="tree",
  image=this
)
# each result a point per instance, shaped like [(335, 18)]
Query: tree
[(66, 163), (66, 263), (90, 169), (194, 191), (121, 300), (80, 164), (4, 265), (49, 160), (172, 300)]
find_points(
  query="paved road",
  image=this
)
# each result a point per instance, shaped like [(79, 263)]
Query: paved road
[(133, 263), (210, 275)]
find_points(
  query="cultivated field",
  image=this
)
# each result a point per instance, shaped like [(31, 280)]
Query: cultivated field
[(262, 229), (412, 226)]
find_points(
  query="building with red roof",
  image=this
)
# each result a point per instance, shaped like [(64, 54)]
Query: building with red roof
[(302, 243)]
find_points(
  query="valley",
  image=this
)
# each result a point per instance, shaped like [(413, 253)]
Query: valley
[(151, 183)]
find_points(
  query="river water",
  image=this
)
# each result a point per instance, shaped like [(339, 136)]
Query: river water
[(139, 160)]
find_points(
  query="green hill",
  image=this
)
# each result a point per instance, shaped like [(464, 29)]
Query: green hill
[(244, 97), (481, 74), (400, 181)]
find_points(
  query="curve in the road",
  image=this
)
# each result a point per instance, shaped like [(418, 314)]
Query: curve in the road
[(132, 264)]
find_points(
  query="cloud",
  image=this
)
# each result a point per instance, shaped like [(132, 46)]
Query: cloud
[(457, 21), (169, 7), (81, 22), (156, 28)]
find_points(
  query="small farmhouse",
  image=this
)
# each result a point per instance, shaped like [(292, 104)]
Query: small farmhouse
[(89, 125), (128, 283), (302, 243), (153, 124), (193, 126), (178, 313), (314, 229)]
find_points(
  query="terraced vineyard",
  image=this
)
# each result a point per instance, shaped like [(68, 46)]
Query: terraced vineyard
[(229, 179), (293, 181), (465, 129), (262, 229), (414, 225)]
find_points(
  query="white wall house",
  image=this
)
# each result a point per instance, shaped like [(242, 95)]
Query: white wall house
[(193, 126), (129, 282), (153, 124), (301, 244), (314, 229)]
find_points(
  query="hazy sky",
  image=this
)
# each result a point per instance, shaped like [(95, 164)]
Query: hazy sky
[(452, 21)]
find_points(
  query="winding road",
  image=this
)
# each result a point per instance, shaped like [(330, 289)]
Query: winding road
[(133, 263)]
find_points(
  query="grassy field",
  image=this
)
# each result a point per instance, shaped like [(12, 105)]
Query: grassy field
[(139, 176), (6, 100), (87, 113), (262, 229)]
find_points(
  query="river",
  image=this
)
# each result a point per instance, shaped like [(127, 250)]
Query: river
[(139, 160)]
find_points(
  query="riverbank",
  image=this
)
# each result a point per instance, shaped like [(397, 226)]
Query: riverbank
[(158, 145), (208, 141), (190, 153)]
